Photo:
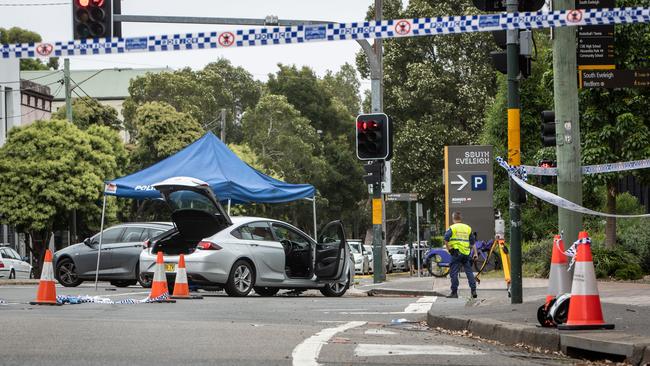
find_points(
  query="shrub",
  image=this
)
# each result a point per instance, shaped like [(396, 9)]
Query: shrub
[(616, 263), (536, 257), (437, 241)]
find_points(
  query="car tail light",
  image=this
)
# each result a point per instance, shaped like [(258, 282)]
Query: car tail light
[(208, 245), (2, 265), (146, 244)]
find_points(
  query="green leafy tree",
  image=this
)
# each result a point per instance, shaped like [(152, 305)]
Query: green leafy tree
[(88, 111), (436, 90), (201, 94), (48, 169), (615, 122), (20, 35), (344, 86), (161, 131)]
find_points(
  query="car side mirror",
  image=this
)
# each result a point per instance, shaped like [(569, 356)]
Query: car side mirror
[(87, 242), (25, 259)]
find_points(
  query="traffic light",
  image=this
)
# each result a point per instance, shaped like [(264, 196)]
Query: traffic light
[(374, 137), (500, 58), (500, 5), (546, 163), (373, 172), (548, 128), (92, 19)]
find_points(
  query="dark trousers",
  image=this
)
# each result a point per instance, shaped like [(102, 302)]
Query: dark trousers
[(458, 261)]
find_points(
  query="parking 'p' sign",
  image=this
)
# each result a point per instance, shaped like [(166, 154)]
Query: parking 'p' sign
[(479, 182)]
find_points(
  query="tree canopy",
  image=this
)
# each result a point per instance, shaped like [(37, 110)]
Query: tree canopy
[(87, 111), (20, 35)]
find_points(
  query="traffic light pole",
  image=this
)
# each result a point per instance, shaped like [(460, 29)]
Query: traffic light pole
[(514, 155), (68, 116), (567, 127), (376, 101)]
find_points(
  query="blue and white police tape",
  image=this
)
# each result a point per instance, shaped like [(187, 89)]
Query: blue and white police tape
[(573, 249), (518, 171), (82, 299), (385, 29), (593, 169), (555, 199)]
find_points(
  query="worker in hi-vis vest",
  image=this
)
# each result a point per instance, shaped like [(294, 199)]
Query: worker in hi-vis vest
[(458, 239)]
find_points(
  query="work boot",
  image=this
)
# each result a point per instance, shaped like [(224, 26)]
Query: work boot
[(453, 295), (474, 295)]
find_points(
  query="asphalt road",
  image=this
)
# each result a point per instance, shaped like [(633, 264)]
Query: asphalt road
[(305, 330)]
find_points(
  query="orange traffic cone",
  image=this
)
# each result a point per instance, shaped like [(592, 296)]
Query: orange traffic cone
[(181, 288), (585, 311), (159, 290), (46, 294), (558, 280)]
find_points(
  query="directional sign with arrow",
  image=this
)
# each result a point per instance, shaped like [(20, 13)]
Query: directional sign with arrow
[(461, 183)]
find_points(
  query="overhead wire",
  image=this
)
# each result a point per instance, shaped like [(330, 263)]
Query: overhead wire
[(34, 4), (33, 110), (32, 79)]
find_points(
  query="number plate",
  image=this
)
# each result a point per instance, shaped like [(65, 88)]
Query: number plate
[(170, 267)]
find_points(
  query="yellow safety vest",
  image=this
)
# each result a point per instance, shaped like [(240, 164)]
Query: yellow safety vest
[(460, 237)]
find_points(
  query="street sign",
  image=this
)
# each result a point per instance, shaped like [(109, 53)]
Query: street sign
[(612, 79), (469, 187), (402, 197), (595, 49)]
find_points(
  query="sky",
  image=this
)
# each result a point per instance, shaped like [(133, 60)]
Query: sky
[(53, 23)]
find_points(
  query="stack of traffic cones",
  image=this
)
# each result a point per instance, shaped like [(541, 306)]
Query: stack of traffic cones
[(159, 290), (46, 294), (585, 311), (181, 288), (558, 280)]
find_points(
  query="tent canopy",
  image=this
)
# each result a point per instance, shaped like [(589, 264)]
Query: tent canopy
[(212, 161)]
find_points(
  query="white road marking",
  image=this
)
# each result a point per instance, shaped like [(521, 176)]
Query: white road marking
[(371, 312), (421, 306), (370, 350), (306, 353), (379, 332)]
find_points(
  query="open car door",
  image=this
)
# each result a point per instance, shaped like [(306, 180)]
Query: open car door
[(331, 252)]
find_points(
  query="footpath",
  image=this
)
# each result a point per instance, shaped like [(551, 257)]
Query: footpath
[(491, 316)]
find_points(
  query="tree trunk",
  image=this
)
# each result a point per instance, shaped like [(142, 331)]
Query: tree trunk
[(39, 243), (610, 227)]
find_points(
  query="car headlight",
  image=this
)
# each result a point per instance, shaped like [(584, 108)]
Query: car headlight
[(357, 261)]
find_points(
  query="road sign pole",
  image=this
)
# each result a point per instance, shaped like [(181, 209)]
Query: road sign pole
[(514, 154), (418, 210), (565, 90)]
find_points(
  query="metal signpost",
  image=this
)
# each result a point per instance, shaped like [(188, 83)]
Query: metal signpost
[(469, 187)]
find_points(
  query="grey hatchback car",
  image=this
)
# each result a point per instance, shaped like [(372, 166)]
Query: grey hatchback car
[(121, 247)]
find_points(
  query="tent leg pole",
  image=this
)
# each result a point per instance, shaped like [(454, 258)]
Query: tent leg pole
[(229, 207), (313, 202), (101, 233)]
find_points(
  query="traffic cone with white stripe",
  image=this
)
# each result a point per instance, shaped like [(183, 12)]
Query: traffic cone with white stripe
[(159, 291), (46, 294), (559, 282), (181, 288), (585, 311)]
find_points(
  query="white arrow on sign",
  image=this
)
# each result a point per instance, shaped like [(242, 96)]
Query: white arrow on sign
[(462, 182)]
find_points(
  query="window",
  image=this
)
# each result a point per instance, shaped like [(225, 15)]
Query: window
[(47, 106), (3, 254), (25, 100), (254, 231), (14, 254), (151, 233), (111, 235), (132, 234), (285, 233)]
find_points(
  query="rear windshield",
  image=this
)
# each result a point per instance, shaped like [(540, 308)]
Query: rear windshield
[(189, 199)]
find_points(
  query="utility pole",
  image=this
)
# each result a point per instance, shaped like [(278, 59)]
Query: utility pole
[(567, 124), (68, 116), (514, 154), (223, 125)]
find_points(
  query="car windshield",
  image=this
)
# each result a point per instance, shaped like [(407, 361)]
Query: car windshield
[(179, 200), (355, 248), (397, 250)]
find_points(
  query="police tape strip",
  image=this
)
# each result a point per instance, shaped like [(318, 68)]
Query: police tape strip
[(593, 169), (555, 199), (83, 299), (396, 28)]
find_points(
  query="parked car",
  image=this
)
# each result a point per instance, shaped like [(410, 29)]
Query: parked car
[(387, 259), (240, 254), (12, 265), (119, 259), (361, 262), (398, 253)]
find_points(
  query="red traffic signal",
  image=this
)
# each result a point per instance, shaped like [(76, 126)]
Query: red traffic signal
[(92, 19), (374, 137)]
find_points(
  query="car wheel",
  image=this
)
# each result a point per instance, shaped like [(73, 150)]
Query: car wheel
[(123, 283), (336, 289), (143, 280), (12, 275), (66, 273), (266, 291), (241, 279)]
